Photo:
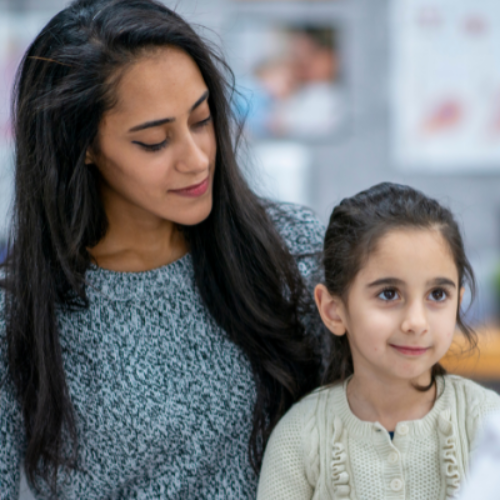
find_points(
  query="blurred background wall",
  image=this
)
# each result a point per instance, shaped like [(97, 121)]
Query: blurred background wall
[(365, 142), (388, 100)]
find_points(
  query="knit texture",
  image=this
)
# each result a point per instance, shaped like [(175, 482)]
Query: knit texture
[(163, 397), (321, 450)]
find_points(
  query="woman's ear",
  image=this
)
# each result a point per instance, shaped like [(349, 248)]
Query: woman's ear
[(331, 309), (89, 158)]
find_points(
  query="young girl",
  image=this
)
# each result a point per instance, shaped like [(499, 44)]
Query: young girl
[(389, 424)]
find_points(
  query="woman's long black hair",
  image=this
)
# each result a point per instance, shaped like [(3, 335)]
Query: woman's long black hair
[(245, 275)]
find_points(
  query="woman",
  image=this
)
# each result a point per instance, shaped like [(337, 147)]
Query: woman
[(154, 321)]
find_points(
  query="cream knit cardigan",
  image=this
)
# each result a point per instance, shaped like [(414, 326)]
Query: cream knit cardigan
[(320, 450)]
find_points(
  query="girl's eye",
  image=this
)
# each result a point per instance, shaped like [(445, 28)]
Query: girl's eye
[(152, 147), (438, 295), (389, 294)]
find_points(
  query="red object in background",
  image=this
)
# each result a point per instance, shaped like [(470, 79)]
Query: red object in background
[(475, 25), (445, 115)]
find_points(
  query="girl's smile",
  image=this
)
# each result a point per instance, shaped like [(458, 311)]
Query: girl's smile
[(410, 350)]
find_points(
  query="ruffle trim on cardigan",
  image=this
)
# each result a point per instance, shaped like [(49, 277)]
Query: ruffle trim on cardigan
[(312, 448), (340, 476), (449, 453)]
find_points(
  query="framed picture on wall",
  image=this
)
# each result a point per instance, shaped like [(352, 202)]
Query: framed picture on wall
[(290, 78)]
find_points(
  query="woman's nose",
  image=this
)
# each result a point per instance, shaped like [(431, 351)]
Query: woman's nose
[(191, 156), (415, 319)]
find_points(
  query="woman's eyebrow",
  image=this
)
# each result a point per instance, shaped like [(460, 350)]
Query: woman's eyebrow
[(162, 121)]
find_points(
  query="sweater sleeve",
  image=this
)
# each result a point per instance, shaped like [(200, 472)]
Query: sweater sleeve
[(283, 475), (10, 424), (481, 402), (303, 233)]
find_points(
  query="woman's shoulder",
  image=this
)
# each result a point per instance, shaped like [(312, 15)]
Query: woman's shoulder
[(3, 337), (2, 310), (299, 226)]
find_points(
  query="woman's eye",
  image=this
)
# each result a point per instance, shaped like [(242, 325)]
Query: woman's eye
[(388, 294), (204, 122), (152, 147), (438, 295)]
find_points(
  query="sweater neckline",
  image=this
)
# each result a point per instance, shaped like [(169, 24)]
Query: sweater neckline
[(363, 429), (120, 285)]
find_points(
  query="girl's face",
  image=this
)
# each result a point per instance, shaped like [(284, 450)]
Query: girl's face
[(401, 308), (157, 146)]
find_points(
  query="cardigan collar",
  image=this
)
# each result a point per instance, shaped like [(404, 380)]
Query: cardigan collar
[(364, 429)]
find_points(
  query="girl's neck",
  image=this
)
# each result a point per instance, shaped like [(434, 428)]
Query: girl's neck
[(387, 401)]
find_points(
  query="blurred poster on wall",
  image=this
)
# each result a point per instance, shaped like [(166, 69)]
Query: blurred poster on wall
[(446, 84), (290, 77)]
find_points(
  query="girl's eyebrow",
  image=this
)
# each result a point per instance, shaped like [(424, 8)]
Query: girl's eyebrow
[(440, 281), (386, 281), (443, 282), (162, 121)]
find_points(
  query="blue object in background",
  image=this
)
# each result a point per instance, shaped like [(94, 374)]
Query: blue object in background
[(3, 253)]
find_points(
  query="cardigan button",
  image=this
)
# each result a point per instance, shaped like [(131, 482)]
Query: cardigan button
[(396, 484), (393, 457), (403, 430)]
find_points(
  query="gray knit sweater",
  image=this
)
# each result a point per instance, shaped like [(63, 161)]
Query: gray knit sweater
[(163, 398)]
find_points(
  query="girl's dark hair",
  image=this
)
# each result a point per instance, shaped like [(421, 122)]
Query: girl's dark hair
[(243, 270), (357, 224)]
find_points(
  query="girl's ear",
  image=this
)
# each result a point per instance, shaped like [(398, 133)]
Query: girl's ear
[(331, 310)]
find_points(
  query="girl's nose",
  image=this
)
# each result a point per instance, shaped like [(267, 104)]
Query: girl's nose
[(191, 157), (415, 320)]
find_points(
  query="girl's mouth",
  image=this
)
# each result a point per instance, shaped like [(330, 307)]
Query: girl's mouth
[(409, 350)]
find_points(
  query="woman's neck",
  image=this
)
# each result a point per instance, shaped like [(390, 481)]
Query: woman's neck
[(374, 398), (137, 241)]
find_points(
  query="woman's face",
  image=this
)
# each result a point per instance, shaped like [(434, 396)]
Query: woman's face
[(156, 148)]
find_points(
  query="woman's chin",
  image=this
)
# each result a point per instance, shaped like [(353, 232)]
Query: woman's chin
[(194, 215)]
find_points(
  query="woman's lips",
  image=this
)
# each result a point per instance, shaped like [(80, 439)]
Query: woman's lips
[(410, 351), (193, 191)]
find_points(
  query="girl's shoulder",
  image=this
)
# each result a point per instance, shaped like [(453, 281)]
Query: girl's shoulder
[(473, 402), (303, 416), (473, 395), (299, 226)]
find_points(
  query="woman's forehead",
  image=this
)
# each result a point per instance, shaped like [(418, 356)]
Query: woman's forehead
[(164, 82)]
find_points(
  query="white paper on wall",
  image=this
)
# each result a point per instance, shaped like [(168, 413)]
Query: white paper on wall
[(446, 84)]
